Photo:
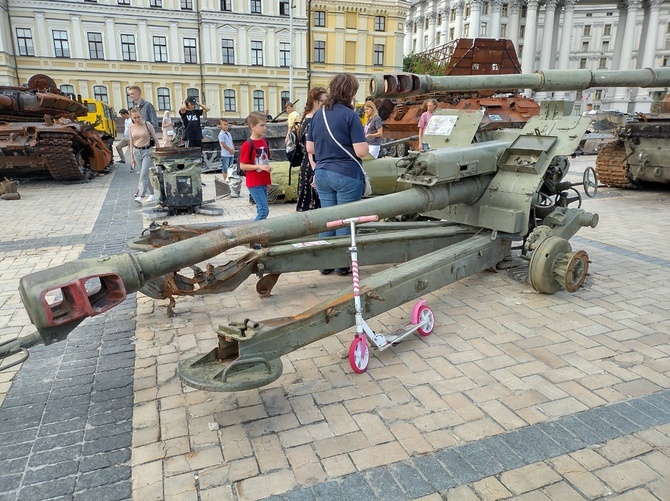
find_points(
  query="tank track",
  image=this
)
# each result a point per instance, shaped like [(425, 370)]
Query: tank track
[(611, 167), (58, 152)]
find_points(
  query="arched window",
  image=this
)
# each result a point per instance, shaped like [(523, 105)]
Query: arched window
[(163, 98), (259, 100), (100, 93), (68, 90), (193, 93), (229, 100)]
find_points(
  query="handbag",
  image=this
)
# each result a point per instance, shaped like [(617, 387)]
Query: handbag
[(367, 189), (152, 143)]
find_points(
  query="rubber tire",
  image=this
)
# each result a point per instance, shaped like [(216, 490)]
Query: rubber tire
[(359, 355), (424, 312)]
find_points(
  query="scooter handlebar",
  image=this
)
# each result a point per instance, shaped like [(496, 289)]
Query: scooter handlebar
[(359, 219)]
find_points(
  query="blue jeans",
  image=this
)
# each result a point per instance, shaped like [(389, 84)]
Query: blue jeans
[(226, 162), (260, 196), (143, 162), (336, 189)]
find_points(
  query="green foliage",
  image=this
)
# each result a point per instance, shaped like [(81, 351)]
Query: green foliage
[(415, 63)]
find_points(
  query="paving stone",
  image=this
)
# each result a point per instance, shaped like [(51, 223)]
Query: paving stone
[(117, 492), (625, 476), (457, 466), (47, 490), (480, 458), (103, 476), (410, 480), (383, 485), (434, 472)]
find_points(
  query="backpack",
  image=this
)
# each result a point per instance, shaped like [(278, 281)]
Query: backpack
[(238, 168), (294, 149)]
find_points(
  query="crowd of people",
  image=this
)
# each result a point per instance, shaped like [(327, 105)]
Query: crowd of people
[(330, 133)]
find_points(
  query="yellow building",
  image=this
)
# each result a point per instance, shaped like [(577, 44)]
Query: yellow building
[(236, 56), (356, 37)]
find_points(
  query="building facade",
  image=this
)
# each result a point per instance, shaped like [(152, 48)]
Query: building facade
[(236, 56), (554, 34)]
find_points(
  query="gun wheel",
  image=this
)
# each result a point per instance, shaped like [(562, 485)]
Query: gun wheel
[(359, 354), (576, 270), (543, 264)]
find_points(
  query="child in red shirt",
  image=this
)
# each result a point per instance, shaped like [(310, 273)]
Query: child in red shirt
[(255, 162)]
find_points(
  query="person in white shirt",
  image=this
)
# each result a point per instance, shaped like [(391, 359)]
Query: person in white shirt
[(227, 148), (127, 122)]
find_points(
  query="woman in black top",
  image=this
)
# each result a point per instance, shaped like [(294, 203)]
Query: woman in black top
[(308, 198)]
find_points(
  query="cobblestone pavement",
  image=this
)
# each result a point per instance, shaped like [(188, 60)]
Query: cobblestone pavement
[(515, 395)]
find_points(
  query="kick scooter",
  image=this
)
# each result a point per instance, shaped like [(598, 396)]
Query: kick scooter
[(422, 321)]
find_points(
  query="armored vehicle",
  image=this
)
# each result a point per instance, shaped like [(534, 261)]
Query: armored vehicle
[(491, 202), (504, 108), (39, 132), (641, 152)]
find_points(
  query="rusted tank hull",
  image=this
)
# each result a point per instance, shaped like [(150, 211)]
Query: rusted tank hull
[(39, 134)]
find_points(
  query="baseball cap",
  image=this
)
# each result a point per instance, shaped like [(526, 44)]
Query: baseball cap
[(191, 99)]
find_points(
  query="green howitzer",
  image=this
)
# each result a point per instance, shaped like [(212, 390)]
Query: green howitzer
[(482, 197)]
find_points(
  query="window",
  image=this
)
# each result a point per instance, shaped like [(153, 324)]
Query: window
[(227, 51), (485, 8), (602, 63), (666, 61), (129, 102), (256, 53), (156, 3), (95, 46), (503, 31), (467, 10), (319, 18), (284, 7), (256, 7), (191, 92), (522, 31), (128, 48), (163, 98), (190, 51), (124, 2), (380, 23), (582, 63), (607, 30), (227, 5), (452, 15), (160, 49), (61, 45), (319, 52), (585, 46), (284, 54), (439, 20), (285, 97), (503, 10), (186, 4), (589, 14), (24, 38), (100, 93), (452, 32), (378, 57), (598, 95), (606, 46), (229, 100), (466, 30), (259, 100), (482, 29), (68, 90), (587, 30)]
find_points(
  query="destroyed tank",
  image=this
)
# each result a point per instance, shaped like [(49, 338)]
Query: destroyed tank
[(39, 133), (505, 108), (640, 152)]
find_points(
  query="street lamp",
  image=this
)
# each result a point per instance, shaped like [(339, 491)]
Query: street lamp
[(290, 66)]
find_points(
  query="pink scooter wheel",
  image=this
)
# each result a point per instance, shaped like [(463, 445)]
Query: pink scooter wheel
[(359, 355), (426, 314)]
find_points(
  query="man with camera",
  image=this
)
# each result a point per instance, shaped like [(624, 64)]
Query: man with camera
[(190, 117)]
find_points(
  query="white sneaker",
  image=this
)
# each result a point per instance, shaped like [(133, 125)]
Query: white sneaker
[(138, 200), (150, 199)]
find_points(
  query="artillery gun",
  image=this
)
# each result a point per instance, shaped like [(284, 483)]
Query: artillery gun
[(506, 108), (639, 153), (39, 131), (484, 197)]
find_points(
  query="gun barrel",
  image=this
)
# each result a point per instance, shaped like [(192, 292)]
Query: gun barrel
[(410, 84), (60, 298)]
